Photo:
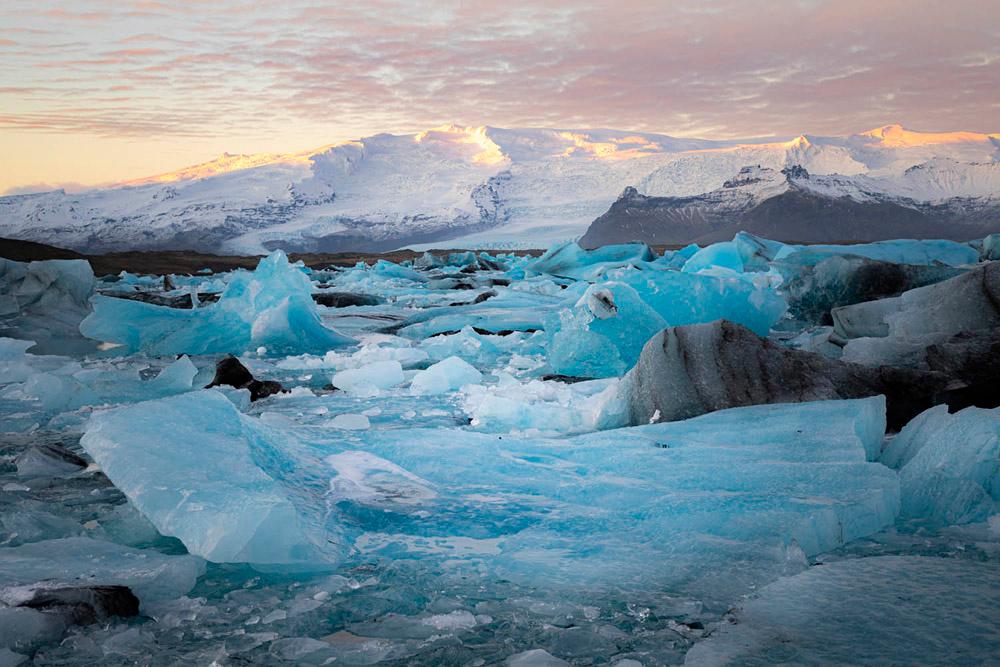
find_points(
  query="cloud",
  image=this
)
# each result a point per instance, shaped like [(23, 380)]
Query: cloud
[(35, 188), (250, 71)]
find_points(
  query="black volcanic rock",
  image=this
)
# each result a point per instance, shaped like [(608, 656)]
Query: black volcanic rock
[(230, 372), (344, 299), (686, 371), (86, 604)]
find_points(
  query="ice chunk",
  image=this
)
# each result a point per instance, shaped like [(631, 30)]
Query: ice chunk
[(712, 504), (755, 252), (535, 658), (45, 302), (723, 255), (949, 465), (916, 611), (814, 288), (569, 260), (447, 375), (900, 251), (64, 563), (350, 422), (192, 465), (271, 307), (370, 379), (991, 248), (542, 406), (604, 332)]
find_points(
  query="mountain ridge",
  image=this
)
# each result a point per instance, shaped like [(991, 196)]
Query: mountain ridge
[(481, 187)]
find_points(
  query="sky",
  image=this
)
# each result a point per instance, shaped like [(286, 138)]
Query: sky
[(98, 91)]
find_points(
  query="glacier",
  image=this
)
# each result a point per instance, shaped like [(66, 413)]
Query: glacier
[(582, 456), (489, 187)]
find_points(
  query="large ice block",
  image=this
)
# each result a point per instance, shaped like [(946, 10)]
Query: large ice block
[(202, 472), (270, 308), (569, 260), (738, 491), (949, 465)]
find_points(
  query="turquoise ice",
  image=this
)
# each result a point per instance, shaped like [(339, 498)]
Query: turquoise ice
[(270, 308)]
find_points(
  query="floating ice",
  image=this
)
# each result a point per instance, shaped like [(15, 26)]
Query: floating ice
[(370, 379), (271, 307), (68, 562), (902, 251), (205, 474), (584, 344), (735, 491), (569, 260), (350, 422), (45, 302), (949, 465), (723, 255), (545, 407), (446, 375)]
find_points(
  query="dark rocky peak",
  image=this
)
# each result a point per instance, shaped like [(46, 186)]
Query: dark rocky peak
[(795, 172)]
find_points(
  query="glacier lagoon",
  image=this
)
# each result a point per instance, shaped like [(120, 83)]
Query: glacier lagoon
[(467, 465)]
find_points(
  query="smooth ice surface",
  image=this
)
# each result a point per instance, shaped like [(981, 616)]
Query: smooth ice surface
[(204, 474), (949, 465), (890, 610), (270, 308)]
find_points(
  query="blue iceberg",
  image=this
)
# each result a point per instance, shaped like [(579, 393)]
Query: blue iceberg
[(271, 308)]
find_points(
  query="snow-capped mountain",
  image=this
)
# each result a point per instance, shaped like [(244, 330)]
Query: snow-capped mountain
[(940, 198), (492, 187)]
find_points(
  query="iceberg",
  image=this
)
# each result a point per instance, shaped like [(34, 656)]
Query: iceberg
[(202, 472), (587, 341), (736, 489), (45, 301), (900, 251), (949, 465), (270, 308), (569, 260)]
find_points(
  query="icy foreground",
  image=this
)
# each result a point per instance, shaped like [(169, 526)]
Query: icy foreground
[(586, 457)]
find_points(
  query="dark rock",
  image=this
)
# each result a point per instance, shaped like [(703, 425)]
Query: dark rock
[(230, 372), (48, 459), (182, 301), (344, 299), (499, 282), (967, 302), (568, 379), (86, 605), (689, 370), (479, 299)]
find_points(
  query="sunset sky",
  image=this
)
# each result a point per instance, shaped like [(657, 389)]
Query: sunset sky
[(99, 91)]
